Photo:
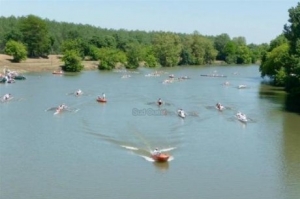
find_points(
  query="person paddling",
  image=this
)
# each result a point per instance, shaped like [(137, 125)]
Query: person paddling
[(159, 101), (6, 96)]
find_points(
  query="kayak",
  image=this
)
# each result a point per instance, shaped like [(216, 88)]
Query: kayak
[(241, 117), (181, 114), (6, 100), (160, 157), (57, 111), (57, 72), (19, 77), (221, 108), (101, 100)]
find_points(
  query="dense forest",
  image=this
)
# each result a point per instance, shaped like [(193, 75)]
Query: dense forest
[(32, 36)]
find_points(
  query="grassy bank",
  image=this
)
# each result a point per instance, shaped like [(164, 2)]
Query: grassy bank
[(52, 63)]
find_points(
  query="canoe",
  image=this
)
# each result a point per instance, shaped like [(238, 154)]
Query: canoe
[(221, 108), (57, 72), (160, 157), (213, 75), (101, 100), (19, 77), (241, 117), (181, 114), (10, 98), (3, 80), (57, 111), (241, 86)]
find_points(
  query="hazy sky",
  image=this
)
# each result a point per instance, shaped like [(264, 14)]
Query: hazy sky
[(259, 21)]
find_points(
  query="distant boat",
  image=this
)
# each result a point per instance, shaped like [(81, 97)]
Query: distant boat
[(242, 86), (19, 77), (57, 72), (241, 117), (213, 75), (181, 113), (102, 100), (162, 157)]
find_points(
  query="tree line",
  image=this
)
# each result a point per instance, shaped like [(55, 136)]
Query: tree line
[(32, 36), (281, 61)]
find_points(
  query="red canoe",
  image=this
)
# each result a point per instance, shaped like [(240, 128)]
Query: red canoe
[(161, 157), (101, 100)]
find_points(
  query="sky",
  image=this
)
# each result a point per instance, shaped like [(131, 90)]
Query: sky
[(259, 21)]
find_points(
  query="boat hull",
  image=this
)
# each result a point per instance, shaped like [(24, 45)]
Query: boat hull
[(57, 73), (19, 77), (161, 157), (101, 100)]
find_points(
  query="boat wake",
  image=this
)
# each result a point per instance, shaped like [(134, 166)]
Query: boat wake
[(149, 159), (130, 147)]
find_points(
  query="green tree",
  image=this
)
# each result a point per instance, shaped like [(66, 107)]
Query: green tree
[(150, 58), (219, 44), (135, 54), (292, 33), (274, 61), (240, 41), (35, 36), (278, 41), (167, 47), (16, 49), (13, 34), (109, 58), (257, 51), (243, 55), (72, 61), (73, 44), (230, 51)]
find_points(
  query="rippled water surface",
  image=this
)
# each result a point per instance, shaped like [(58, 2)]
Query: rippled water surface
[(96, 150)]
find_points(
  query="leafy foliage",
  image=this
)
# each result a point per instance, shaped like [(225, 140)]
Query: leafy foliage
[(156, 48), (219, 43), (109, 58), (16, 49), (72, 61), (275, 60), (35, 36), (167, 47)]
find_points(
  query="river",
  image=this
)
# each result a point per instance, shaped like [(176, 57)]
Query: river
[(101, 150)]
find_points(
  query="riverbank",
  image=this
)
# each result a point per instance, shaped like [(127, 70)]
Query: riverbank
[(52, 63)]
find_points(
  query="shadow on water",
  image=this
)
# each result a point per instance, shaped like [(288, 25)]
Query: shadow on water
[(162, 166), (278, 96), (292, 103)]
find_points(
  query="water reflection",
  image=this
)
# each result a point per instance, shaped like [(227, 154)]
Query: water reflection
[(292, 103), (291, 151), (161, 166)]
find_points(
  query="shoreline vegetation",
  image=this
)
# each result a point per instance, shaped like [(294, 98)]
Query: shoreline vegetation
[(50, 64), (24, 38)]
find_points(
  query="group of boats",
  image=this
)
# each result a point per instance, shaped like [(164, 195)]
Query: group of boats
[(156, 155), (9, 76), (240, 116), (78, 92)]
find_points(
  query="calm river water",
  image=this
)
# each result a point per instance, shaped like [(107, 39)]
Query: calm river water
[(100, 150)]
